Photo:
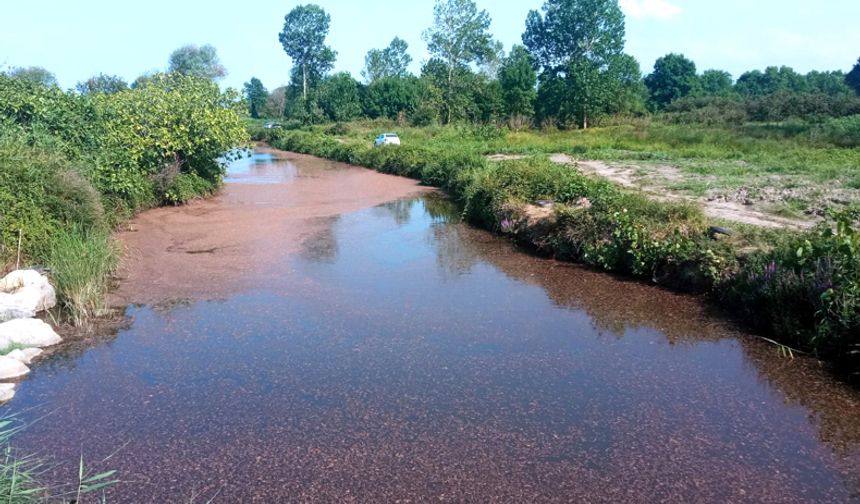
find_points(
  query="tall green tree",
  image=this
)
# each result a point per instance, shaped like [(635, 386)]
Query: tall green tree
[(853, 78), (575, 43), (197, 61), (393, 61), (338, 97), (674, 77), (518, 79), (716, 83), (101, 83), (256, 95), (34, 74), (458, 37), (303, 39), (391, 96)]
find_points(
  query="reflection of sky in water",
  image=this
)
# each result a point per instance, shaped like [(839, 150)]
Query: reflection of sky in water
[(260, 168)]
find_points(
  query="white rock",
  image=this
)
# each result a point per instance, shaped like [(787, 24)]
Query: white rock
[(24, 293), (10, 368), (7, 391), (25, 355), (21, 278), (28, 332)]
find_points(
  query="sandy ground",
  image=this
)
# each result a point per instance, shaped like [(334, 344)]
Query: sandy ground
[(626, 176), (228, 240)]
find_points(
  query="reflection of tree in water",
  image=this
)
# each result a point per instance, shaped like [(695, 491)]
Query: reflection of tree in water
[(321, 244), (400, 210), (616, 306)]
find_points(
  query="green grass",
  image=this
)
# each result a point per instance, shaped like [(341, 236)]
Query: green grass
[(82, 262)]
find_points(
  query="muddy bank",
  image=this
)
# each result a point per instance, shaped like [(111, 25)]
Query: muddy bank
[(271, 204)]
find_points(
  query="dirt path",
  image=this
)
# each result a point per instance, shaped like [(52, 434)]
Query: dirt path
[(626, 176), (229, 239)]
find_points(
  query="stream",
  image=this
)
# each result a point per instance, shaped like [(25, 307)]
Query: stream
[(324, 333)]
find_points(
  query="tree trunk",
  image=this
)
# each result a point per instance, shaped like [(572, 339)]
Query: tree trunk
[(305, 82), (585, 116), (450, 89)]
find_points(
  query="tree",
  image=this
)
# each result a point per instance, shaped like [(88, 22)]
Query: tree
[(393, 61), (575, 43), (339, 98), (34, 74), (458, 37), (256, 95), (303, 39), (853, 78), (102, 84), (519, 83), (772, 80), (197, 61), (391, 96), (674, 77), (716, 83)]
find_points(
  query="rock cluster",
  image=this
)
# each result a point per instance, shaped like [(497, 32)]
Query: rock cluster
[(23, 294)]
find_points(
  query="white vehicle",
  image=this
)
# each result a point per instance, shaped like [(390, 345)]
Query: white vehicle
[(387, 139)]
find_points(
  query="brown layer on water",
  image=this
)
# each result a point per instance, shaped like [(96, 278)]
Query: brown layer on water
[(210, 248)]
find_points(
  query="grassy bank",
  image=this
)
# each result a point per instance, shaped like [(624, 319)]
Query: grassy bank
[(803, 288), (75, 166), (793, 169)]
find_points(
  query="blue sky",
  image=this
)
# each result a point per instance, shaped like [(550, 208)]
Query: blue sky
[(78, 39)]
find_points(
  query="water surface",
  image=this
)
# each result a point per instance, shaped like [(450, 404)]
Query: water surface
[(395, 355)]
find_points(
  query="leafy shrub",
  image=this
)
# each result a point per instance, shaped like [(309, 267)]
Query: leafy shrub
[(842, 132)]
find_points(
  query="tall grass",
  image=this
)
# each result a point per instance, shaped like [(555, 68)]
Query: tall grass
[(82, 262)]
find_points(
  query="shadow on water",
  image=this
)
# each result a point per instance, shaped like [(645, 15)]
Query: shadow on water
[(399, 354)]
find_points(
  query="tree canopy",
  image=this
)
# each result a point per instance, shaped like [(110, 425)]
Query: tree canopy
[(393, 61), (34, 74), (458, 37), (576, 43), (519, 82), (853, 78), (101, 83), (256, 95), (674, 77), (197, 61), (303, 39)]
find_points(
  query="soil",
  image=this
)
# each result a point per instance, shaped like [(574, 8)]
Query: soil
[(227, 239), (719, 208)]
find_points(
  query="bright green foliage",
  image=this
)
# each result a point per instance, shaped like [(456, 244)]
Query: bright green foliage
[(716, 83), (393, 61), (193, 61), (519, 83), (166, 137), (303, 39), (853, 78), (256, 96), (674, 77), (101, 83), (338, 97), (458, 37), (65, 157), (576, 43), (34, 75)]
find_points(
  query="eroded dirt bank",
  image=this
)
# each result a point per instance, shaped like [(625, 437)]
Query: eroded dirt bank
[(210, 248)]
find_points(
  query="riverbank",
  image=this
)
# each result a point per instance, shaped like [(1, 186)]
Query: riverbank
[(800, 288)]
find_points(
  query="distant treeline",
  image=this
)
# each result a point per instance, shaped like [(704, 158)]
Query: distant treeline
[(571, 71)]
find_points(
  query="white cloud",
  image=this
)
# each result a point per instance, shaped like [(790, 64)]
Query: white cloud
[(658, 9)]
